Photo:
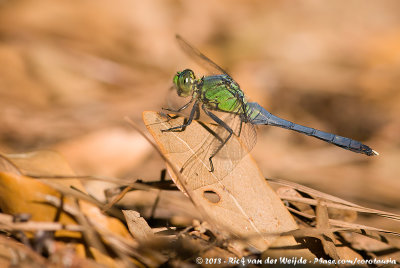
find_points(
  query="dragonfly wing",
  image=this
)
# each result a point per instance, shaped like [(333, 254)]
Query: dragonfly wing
[(248, 135), (237, 148), (197, 167), (171, 121), (199, 57)]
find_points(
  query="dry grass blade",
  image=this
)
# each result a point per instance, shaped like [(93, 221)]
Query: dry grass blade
[(341, 230), (33, 257), (335, 202), (64, 201)]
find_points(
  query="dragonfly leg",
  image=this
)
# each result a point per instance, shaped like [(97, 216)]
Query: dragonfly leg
[(224, 125), (240, 128), (180, 109), (194, 110)]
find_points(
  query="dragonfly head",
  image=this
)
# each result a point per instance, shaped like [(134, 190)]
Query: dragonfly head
[(185, 83)]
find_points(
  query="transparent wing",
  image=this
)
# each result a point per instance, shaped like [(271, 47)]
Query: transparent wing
[(245, 131), (199, 57), (198, 166)]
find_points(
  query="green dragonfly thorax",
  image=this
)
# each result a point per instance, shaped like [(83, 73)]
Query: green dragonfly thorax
[(215, 92), (222, 93)]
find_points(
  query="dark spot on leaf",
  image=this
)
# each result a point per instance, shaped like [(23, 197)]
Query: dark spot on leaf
[(211, 196)]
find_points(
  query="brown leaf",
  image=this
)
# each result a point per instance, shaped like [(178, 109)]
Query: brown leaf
[(327, 239), (138, 225), (240, 204)]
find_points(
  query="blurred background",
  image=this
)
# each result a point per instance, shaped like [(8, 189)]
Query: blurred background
[(72, 70)]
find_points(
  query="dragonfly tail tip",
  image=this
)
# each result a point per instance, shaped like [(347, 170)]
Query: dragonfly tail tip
[(375, 152)]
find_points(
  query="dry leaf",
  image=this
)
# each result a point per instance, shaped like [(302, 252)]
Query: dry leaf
[(241, 204), (138, 226), (327, 238)]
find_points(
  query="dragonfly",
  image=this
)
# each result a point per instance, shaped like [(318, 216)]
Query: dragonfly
[(219, 94)]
